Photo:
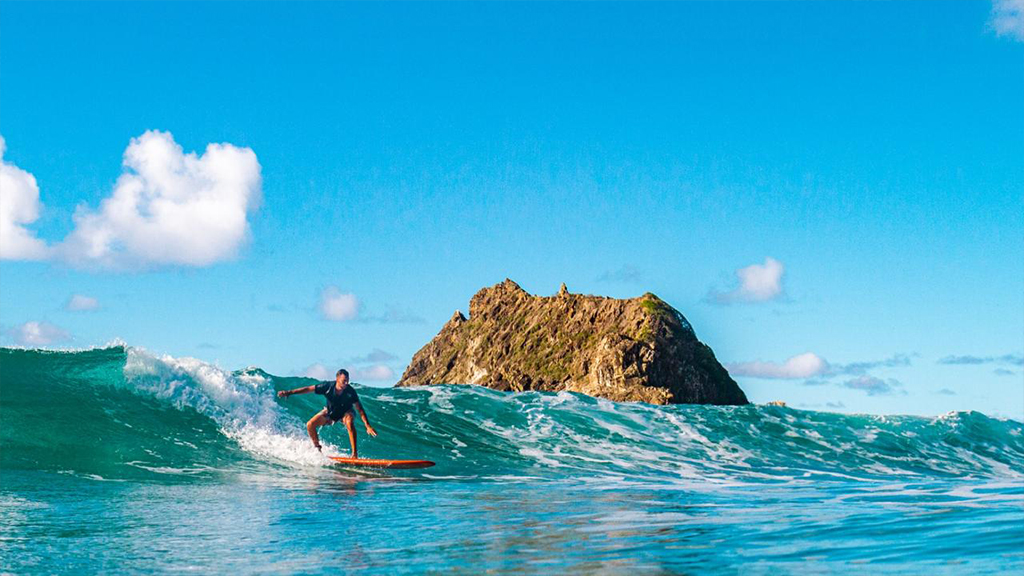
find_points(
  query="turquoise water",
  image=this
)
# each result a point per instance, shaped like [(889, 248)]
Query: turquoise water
[(116, 461)]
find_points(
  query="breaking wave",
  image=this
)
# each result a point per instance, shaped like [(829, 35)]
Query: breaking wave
[(121, 412)]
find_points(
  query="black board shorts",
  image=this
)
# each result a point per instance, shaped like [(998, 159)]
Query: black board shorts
[(334, 420)]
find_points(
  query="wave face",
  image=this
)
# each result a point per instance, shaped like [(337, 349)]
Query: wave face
[(121, 412)]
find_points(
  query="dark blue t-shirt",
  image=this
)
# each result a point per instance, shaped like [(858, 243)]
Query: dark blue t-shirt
[(338, 403)]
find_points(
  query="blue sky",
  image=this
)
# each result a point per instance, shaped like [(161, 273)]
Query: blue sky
[(832, 193)]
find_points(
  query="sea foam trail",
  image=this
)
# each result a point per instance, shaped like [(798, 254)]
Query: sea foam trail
[(122, 412)]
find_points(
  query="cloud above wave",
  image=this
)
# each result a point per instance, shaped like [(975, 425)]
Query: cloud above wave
[(375, 355), (377, 373), (806, 365), (38, 334), (873, 386), (967, 360), (338, 306), (167, 208), (19, 207), (374, 373), (810, 365), (1007, 18), (81, 303), (318, 372), (756, 283), (816, 371), (627, 274)]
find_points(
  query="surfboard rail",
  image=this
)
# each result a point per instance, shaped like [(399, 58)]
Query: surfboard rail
[(382, 463)]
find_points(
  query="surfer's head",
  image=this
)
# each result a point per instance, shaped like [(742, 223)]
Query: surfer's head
[(341, 377)]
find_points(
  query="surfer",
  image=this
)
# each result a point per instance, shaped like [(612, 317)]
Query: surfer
[(341, 398)]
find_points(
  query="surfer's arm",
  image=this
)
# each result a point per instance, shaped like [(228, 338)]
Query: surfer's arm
[(366, 421), (303, 390)]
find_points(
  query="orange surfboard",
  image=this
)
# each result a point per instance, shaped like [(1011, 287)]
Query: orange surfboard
[(371, 463)]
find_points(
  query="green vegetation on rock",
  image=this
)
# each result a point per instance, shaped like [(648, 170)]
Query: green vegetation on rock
[(626, 350)]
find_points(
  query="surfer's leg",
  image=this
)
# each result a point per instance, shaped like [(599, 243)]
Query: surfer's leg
[(315, 422), (349, 421)]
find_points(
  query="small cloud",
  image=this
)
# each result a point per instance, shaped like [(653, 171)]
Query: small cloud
[(80, 303), (873, 386), (343, 306), (628, 274), (376, 355), (338, 306), (318, 372), (19, 207), (757, 283), (962, 360), (945, 392), (859, 368), (1007, 18), (817, 405), (393, 315), (814, 369), (207, 346), (376, 373), (1010, 359), (38, 334), (806, 365), (1003, 372)]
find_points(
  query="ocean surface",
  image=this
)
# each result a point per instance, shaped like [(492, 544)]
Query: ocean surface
[(117, 461)]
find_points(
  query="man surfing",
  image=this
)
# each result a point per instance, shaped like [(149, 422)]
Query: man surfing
[(341, 398)]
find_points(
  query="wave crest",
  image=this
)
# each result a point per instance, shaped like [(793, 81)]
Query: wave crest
[(121, 411)]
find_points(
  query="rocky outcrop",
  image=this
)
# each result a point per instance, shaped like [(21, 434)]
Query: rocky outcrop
[(636, 349)]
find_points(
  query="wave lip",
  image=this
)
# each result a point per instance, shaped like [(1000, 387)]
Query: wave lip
[(123, 412)]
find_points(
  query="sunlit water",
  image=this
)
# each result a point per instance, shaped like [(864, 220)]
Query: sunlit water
[(118, 462)]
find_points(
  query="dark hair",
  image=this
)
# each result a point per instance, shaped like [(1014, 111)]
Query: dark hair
[(342, 371)]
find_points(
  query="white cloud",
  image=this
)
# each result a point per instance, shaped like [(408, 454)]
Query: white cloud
[(318, 372), (757, 283), (873, 386), (337, 305), (377, 372), (393, 315), (79, 303), (38, 334), (169, 208), (804, 365), (1007, 18), (627, 274), (376, 355), (1010, 359), (19, 207)]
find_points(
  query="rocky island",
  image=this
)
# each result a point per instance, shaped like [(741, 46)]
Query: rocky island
[(635, 349)]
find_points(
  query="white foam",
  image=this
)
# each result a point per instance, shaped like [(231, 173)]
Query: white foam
[(242, 404)]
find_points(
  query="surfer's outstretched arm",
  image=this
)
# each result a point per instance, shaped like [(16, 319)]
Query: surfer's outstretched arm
[(303, 390), (366, 422)]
